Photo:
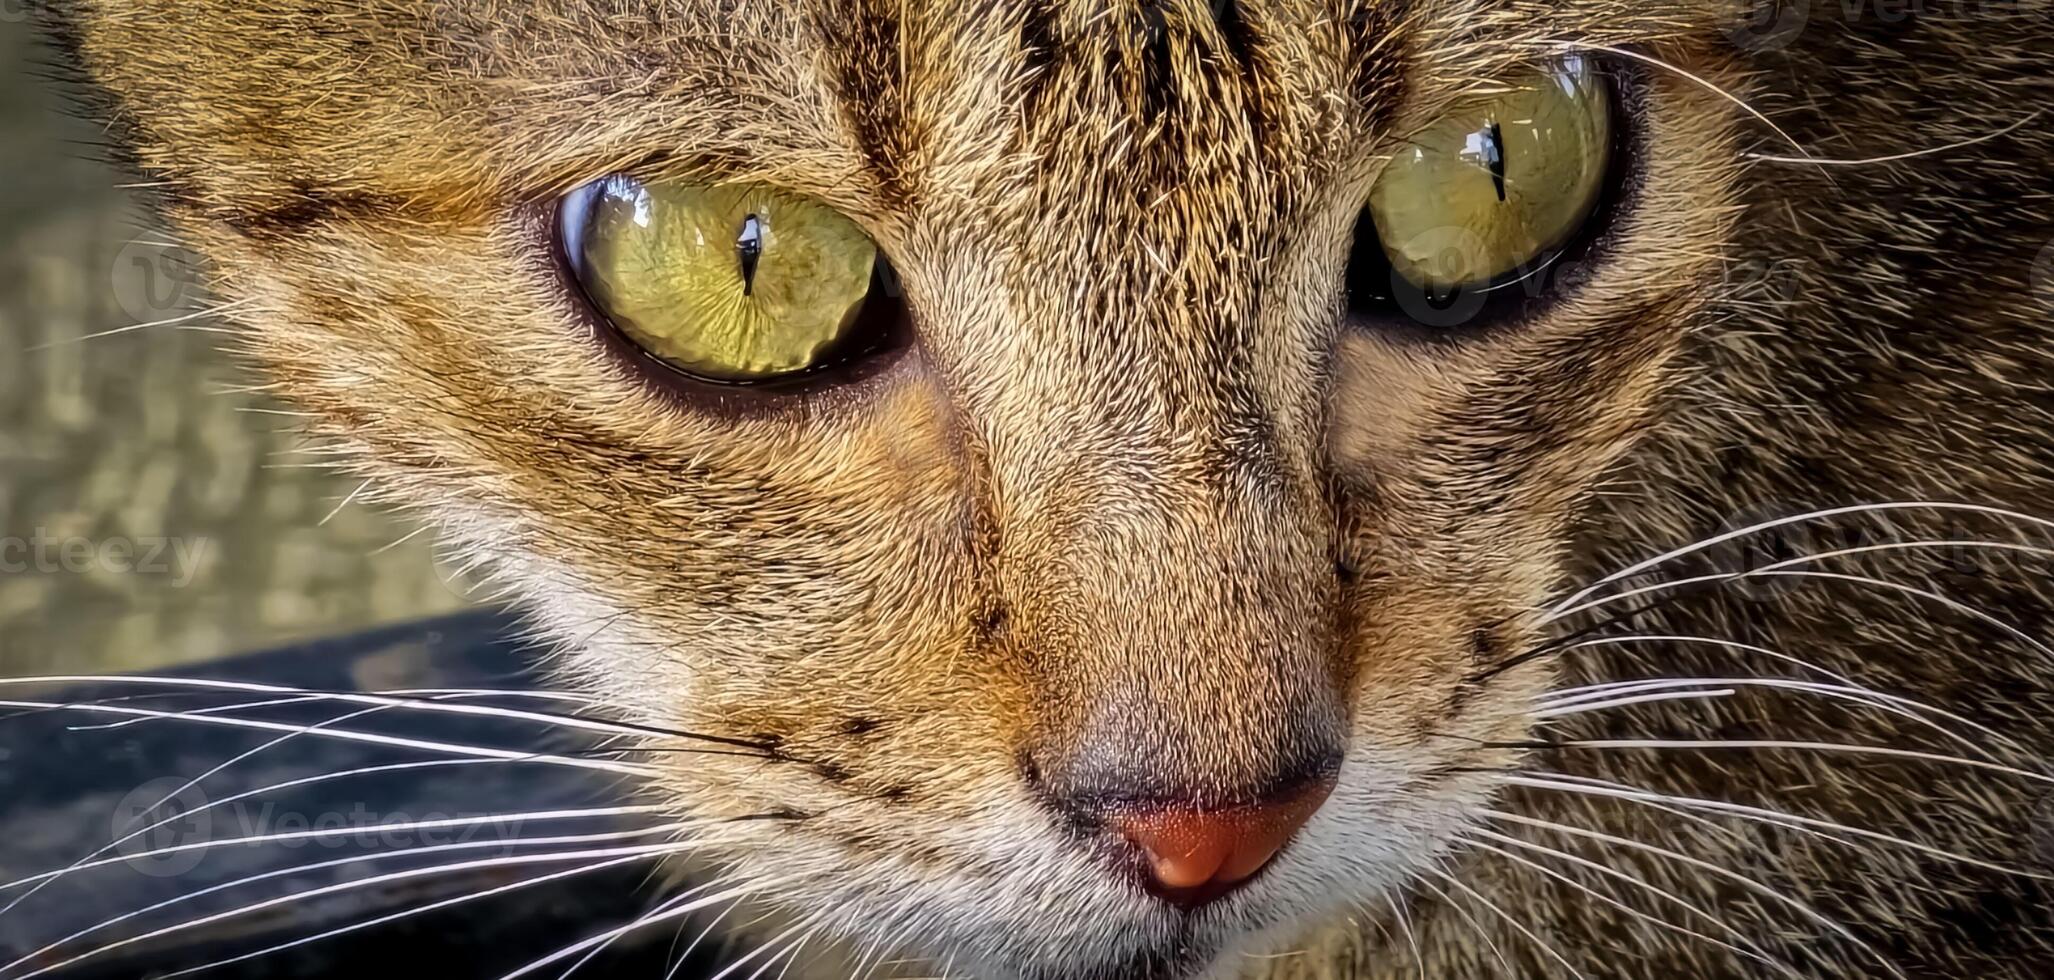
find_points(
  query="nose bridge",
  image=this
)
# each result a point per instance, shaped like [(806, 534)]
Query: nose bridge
[(1164, 545), (1181, 637), (1136, 379), (1162, 539)]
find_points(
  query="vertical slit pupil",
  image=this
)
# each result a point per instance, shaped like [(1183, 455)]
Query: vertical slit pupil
[(1497, 160), (748, 250)]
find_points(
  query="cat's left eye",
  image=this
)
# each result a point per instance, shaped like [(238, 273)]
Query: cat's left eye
[(730, 283)]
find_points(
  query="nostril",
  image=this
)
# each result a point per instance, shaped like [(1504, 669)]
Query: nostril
[(1197, 855)]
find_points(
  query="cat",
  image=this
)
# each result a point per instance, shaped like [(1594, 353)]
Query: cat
[(1159, 488)]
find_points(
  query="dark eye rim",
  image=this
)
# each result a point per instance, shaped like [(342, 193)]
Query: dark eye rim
[(870, 347), (1561, 270)]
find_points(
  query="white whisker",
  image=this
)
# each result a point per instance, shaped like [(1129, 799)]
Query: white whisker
[(1594, 699), (1912, 708), (1563, 607), (653, 918), (288, 784), (600, 948), (166, 322), (1623, 693), (373, 738), (1791, 821), (1949, 602), (1827, 747), (361, 487), (1475, 925), (1693, 78), (402, 539), (1411, 938), (684, 957), (765, 947), (382, 698), (1736, 877), (410, 852), (1770, 571), (413, 911), (1551, 952), (241, 757), (1751, 952), (219, 709), (1679, 813), (540, 816), (1597, 703), (1908, 155), (638, 851)]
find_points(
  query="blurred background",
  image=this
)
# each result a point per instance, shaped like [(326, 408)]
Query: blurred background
[(150, 511)]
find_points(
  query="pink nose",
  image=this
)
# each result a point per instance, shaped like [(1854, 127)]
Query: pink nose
[(1197, 856)]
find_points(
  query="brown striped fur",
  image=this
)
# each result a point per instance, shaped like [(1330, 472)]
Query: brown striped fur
[(1139, 462)]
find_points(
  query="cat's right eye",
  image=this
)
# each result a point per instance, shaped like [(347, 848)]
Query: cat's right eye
[(733, 283), (1474, 210)]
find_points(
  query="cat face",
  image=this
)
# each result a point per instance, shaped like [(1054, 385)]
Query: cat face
[(1138, 517)]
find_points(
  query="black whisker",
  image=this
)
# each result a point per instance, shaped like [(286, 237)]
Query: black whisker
[(1616, 619)]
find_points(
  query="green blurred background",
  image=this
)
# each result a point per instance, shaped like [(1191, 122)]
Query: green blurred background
[(118, 446)]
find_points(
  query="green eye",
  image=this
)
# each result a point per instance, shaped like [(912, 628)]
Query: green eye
[(732, 283), (1488, 194)]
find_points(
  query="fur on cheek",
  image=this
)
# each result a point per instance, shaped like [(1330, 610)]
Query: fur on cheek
[(1136, 474)]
